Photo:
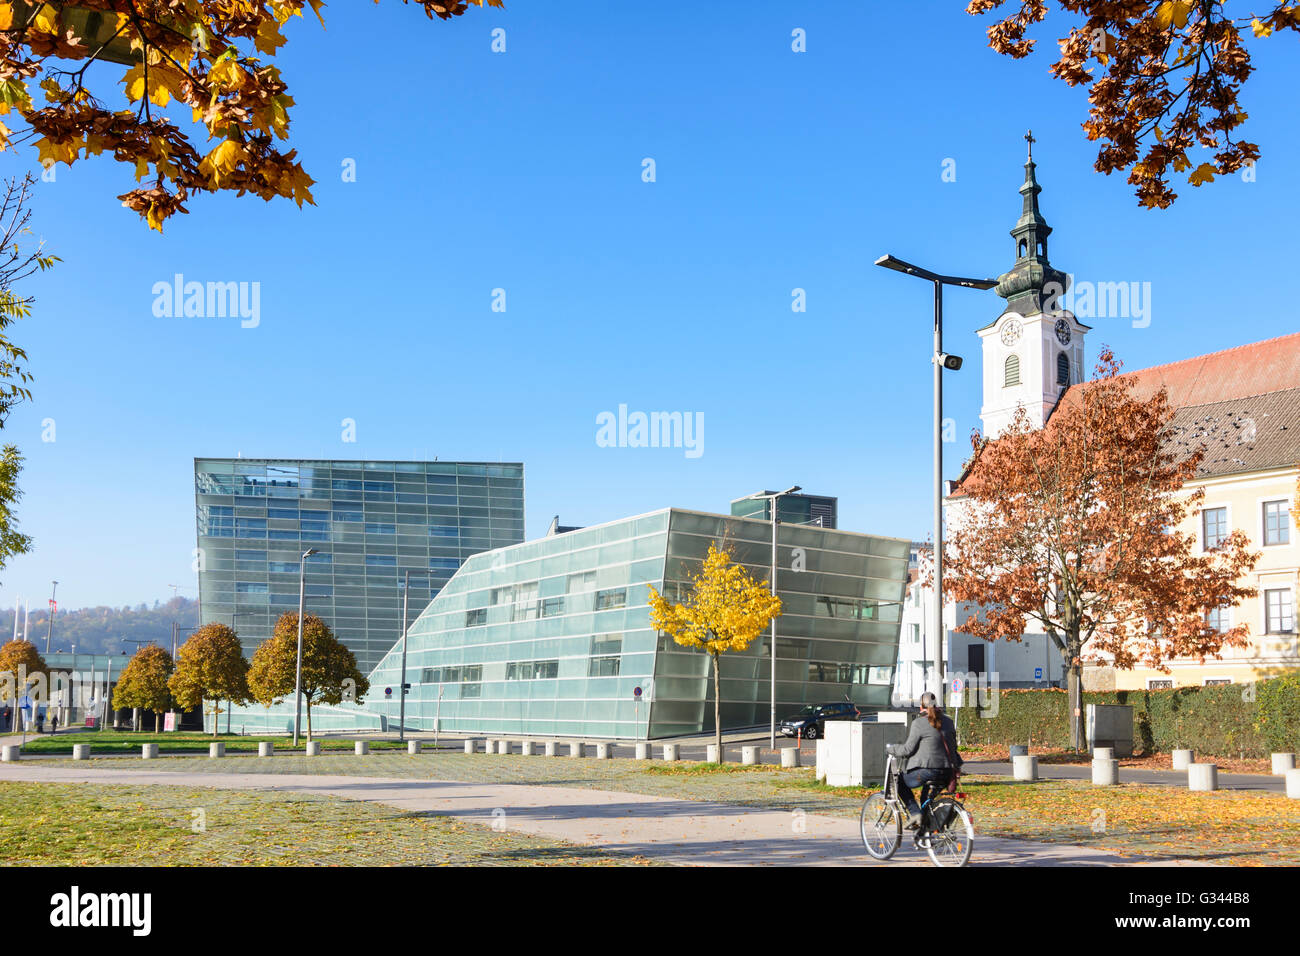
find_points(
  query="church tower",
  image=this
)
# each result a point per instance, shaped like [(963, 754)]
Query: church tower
[(1033, 351)]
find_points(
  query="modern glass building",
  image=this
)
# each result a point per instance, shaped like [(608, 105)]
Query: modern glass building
[(794, 509), (553, 637), (370, 521)]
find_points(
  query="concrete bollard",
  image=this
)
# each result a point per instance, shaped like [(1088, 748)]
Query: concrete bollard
[(215, 749), (672, 752), (715, 755), (552, 748), (1017, 750), (361, 748), (1024, 768), (10, 753), (789, 756), (1203, 777), (1292, 784), (644, 752), (1183, 759), (604, 751), (1103, 753), (313, 748), (526, 748), (577, 749), (148, 751), (413, 747), (1105, 772), (470, 746), (1283, 763), (82, 751), (266, 749), (749, 756), (503, 746)]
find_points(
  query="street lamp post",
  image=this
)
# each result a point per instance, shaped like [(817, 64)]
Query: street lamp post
[(941, 361), (297, 680), (773, 499)]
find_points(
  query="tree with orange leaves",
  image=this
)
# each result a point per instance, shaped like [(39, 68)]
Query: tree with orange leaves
[(1075, 527), (214, 60), (1163, 77)]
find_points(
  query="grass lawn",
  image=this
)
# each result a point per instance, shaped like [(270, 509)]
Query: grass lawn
[(125, 741), (90, 824)]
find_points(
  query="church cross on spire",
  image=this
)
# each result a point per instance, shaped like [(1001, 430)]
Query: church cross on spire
[(1029, 138)]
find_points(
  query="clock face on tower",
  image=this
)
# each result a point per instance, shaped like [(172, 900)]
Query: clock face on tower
[(1011, 331), (1063, 331)]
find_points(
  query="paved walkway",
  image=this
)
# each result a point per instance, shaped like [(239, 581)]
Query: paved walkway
[(673, 830)]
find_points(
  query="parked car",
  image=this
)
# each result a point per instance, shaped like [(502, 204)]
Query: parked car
[(811, 721)]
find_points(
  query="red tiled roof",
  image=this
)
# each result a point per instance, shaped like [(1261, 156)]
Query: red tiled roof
[(1236, 373)]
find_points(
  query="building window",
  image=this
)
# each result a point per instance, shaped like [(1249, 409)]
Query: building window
[(611, 598), (1062, 369), (916, 633), (381, 560), (1277, 523), (532, 670), (244, 587), (552, 607), (1217, 619), (604, 666), (583, 581), (476, 617), (1011, 371), (1279, 611), (1214, 527), (471, 690)]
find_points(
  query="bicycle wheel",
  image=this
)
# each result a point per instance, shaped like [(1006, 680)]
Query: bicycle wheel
[(951, 845), (882, 827)]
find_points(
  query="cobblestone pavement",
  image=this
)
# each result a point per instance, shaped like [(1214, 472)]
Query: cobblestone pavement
[(87, 824), (759, 817)]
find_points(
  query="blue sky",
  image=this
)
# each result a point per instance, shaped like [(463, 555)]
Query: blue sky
[(522, 171)]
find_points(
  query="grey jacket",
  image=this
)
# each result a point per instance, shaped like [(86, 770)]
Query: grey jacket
[(924, 747)]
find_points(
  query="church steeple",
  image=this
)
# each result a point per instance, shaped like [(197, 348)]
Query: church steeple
[(1032, 282)]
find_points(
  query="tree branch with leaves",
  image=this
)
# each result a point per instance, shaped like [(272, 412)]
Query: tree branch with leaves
[(1163, 78)]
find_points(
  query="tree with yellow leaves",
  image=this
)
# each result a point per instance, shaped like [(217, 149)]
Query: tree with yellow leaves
[(210, 667), (143, 683), (725, 611), (214, 58)]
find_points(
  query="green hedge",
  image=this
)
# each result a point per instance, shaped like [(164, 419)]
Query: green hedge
[(1227, 720)]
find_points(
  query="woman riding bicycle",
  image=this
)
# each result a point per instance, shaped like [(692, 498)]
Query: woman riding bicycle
[(931, 752)]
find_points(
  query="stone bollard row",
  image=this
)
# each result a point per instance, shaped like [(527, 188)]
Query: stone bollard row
[(361, 748), (577, 749), (552, 748), (1024, 767), (413, 747), (469, 746), (604, 751), (266, 749), (749, 756), (148, 751), (1183, 759), (672, 752), (527, 748), (10, 753), (81, 751), (215, 749), (790, 757), (1282, 764), (715, 755), (644, 752), (1293, 784), (1203, 777), (313, 748)]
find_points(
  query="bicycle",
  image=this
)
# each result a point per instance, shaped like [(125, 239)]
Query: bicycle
[(946, 832)]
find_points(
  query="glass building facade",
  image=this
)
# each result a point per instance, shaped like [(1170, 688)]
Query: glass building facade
[(795, 509), (371, 521), (553, 637)]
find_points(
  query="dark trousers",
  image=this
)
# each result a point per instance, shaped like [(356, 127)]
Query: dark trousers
[(916, 778)]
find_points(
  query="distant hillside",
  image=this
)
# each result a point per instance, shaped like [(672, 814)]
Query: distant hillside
[(99, 630)]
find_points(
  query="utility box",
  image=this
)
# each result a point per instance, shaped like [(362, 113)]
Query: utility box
[(1110, 725), (855, 751)]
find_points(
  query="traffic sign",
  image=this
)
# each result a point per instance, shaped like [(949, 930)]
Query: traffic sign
[(957, 685), (388, 692), (636, 692)]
